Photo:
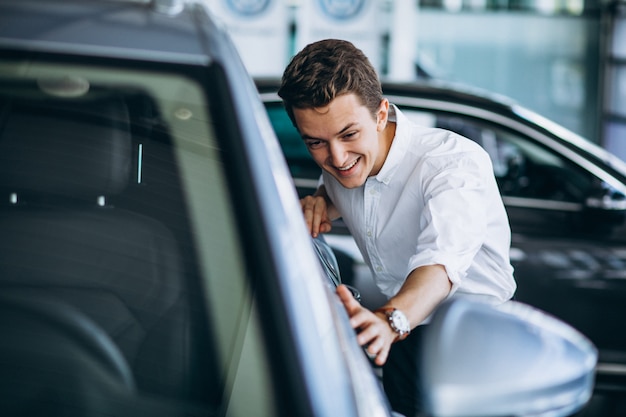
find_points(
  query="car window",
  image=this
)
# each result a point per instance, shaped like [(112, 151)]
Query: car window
[(302, 167), (292, 144), (523, 167), (116, 203)]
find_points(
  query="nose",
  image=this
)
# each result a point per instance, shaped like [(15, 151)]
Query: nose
[(338, 155)]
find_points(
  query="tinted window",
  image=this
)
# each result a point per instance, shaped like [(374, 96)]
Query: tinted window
[(115, 204), (304, 170), (523, 167)]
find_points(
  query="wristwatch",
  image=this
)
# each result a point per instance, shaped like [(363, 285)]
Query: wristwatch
[(397, 320)]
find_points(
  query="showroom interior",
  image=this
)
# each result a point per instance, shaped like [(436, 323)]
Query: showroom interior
[(564, 59)]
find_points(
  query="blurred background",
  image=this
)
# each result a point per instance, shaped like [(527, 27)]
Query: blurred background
[(564, 59)]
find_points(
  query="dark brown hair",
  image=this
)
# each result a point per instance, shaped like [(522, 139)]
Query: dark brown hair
[(327, 69)]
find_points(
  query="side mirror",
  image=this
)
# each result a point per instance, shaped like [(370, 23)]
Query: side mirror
[(605, 207), (511, 360), (606, 199)]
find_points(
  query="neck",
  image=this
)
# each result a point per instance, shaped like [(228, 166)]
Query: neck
[(389, 133)]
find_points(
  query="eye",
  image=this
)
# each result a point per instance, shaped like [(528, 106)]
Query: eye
[(350, 135), (314, 144)]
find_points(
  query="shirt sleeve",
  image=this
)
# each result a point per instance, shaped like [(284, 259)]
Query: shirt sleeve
[(454, 219)]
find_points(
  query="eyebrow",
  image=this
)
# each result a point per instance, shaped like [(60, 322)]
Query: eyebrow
[(347, 127)]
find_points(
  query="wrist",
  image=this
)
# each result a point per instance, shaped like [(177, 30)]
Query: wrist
[(397, 320)]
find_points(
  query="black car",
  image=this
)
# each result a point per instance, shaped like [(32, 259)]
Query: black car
[(153, 256), (565, 198)]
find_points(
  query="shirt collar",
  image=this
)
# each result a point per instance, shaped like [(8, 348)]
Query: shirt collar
[(398, 147)]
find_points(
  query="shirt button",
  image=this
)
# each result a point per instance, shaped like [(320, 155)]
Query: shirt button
[(379, 268), (372, 191), (369, 233)]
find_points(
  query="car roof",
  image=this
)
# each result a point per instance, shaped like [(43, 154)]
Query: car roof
[(464, 95), (163, 30), (422, 87)]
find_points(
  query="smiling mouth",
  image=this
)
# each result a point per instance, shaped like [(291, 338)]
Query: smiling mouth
[(347, 168)]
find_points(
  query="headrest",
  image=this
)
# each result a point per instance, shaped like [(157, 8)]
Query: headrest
[(76, 148)]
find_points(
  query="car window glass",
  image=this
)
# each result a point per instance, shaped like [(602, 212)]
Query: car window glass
[(523, 168), (189, 300), (292, 144), (301, 165)]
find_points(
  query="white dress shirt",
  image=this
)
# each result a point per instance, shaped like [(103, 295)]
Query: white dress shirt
[(434, 201)]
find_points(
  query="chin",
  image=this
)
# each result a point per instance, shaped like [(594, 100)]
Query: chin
[(350, 182)]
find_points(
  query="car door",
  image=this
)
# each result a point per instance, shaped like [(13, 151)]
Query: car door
[(569, 256)]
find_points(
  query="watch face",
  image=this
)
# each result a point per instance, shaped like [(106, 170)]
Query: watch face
[(400, 322)]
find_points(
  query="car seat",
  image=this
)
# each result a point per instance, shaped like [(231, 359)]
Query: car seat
[(56, 361), (60, 162)]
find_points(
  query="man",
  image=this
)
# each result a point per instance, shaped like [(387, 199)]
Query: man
[(422, 205)]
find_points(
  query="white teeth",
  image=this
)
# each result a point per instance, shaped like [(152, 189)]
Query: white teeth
[(349, 166)]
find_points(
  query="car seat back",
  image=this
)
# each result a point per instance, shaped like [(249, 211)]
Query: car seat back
[(61, 161)]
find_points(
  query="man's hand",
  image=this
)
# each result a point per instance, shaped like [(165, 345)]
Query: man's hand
[(373, 329), (316, 216)]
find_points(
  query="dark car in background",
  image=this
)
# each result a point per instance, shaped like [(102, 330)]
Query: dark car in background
[(153, 256), (565, 198)]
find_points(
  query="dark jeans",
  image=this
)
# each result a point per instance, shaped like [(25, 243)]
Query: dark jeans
[(400, 375)]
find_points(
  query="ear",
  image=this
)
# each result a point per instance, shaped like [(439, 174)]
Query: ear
[(382, 115)]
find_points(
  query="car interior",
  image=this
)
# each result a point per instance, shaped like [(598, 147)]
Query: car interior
[(88, 232), (523, 168)]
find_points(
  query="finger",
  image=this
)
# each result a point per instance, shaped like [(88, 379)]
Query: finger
[(308, 210), (373, 331), (326, 226), (315, 215), (362, 320), (351, 305), (381, 357), (319, 215), (375, 347), (367, 337), (370, 330), (378, 349)]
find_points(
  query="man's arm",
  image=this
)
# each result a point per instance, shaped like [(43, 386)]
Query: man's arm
[(423, 290), (319, 212), (421, 293)]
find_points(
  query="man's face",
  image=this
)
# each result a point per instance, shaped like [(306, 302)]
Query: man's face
[(345, 139)]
